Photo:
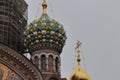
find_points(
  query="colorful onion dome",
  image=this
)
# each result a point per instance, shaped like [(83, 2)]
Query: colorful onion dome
[(44, 33)]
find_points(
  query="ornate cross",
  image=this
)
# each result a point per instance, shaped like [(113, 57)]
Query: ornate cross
[(78, 44)]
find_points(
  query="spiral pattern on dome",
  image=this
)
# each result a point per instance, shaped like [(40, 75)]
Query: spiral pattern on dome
[(44, 33)]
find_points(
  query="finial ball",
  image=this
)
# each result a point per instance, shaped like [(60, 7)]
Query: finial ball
[(44, 5)]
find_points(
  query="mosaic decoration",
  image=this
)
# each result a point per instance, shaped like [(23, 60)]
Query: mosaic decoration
[(44, 30), (7, 74)]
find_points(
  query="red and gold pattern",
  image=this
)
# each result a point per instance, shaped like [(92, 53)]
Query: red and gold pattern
[(8, 74)]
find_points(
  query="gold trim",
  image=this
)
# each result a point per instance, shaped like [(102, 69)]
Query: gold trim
[(44, 5)]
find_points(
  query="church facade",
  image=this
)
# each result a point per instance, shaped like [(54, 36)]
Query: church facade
[(43, 39), (13, 65)]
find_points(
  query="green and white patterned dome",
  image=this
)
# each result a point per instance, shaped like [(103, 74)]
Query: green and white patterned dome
[(44, 33)]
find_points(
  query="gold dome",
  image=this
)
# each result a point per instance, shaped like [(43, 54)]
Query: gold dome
[(79, 74)]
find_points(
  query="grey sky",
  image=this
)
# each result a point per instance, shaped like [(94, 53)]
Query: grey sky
[(96, 23)]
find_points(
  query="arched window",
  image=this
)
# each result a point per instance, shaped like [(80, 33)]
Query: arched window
[(43, 62), (52, 78), (50, 63), (36, 61), (56, 64)]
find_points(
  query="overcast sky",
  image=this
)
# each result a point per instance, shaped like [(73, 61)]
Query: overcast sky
[(96, 23)]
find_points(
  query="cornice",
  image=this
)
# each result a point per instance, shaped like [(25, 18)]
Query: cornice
[(19, 63)]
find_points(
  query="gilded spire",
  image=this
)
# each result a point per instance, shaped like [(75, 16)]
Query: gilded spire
[(77, 48), (79, 74), (44, 5)]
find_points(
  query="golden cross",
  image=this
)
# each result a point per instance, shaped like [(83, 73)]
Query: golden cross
[(77, 48)]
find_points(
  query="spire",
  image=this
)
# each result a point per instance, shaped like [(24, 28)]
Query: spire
[(44, 5)]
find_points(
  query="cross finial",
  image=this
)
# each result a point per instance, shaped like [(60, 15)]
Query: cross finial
[(77, 48), (78, 44)]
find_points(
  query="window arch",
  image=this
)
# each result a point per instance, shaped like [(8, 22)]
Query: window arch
[(50, 63), (53, 78), (56, 64), (36, 61), (43, 62)]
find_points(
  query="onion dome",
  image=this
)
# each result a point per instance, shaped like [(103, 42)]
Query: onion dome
[(44, 33), (79, 74)]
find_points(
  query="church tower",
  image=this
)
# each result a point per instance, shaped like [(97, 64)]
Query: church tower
[(45, 38), (79, 74), (13, 19)]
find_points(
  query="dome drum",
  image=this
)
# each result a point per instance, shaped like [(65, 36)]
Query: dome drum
[(44, 46)]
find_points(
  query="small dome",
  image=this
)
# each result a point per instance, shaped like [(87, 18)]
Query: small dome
[(79, 74), (44, 33)]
